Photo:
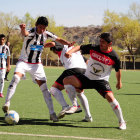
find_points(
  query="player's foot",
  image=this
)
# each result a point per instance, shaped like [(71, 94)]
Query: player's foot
[(63, 112), (87, 119), (1, 95), (71, 110), (122, 126), (5, 109), (79, 109), (53, 117), (6, 79)]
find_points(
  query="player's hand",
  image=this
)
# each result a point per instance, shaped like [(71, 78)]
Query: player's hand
[(119, 85), (22, 26), (8, 68), (68, 55), (71, 44)]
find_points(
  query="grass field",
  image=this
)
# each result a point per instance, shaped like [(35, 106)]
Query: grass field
[(34, 121)]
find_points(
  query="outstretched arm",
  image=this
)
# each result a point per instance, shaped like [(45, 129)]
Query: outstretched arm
[(119, 82), (64, 42), (49, 44), (74, 49), (24, 32)]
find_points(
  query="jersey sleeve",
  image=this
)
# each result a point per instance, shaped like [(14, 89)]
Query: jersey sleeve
[(117, 64), (51, 36), (85, 49), (8, 51)]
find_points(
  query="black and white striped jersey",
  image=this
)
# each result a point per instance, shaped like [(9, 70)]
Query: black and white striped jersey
[(33, 46), (4, 52), (100, 63)]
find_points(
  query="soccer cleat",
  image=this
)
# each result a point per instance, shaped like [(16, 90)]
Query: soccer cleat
[(79, 109), (87, 119), (6, 79), (122, 126), (63, 112), (5, 109), (53, 117), (1, 95), (71, 110)]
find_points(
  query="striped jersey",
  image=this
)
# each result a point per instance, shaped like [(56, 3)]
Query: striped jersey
[(100, 63), (4, 52), (33, 46), (75, 61)]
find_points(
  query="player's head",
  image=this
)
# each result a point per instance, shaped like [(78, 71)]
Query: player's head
[(57, 48), (42, 21), (41, 24), (105, 41), (106, 36), (2, 39)]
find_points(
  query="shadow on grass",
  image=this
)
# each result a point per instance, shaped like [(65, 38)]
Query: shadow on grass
[(64, 123), (128, 94)]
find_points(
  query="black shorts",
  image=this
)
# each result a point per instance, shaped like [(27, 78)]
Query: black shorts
[(101, 86), (69, 72)]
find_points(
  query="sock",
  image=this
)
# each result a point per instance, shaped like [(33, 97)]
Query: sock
[(117, 109), (71, 90), (47, 97), (1, 85), (84, 102), (11, 89), (58, 96), (6, 74), (71, 98)]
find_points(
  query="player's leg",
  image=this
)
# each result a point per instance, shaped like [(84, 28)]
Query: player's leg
[(116, 108), (85, 105), (56, 92), (11, 90), (70, 83), (38, 75), (2, 75)]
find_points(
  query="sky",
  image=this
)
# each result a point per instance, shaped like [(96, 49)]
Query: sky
[(68, 13)]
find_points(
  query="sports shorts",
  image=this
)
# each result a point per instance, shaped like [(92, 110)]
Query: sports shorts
[(69, 72), (101, 86), (36, 71)]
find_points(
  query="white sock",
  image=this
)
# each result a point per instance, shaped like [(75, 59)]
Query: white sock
[(47, 97), (71, 98), (72, 92), (11, 89), (1, 85), (84, 102), (117, 109), (58, 96)]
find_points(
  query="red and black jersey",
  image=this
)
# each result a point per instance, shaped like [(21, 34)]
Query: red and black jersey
[(100, 63)]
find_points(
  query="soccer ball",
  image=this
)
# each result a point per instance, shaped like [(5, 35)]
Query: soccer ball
[(11, 117)]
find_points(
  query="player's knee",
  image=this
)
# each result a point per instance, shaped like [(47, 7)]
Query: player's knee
[(68, 80), (16, 78)]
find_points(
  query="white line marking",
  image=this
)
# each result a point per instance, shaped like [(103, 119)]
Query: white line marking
[(51, 136)]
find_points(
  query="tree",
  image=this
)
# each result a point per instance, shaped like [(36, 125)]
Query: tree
[(125, 31)]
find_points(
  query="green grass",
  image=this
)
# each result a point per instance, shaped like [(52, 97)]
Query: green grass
[(34, 116)]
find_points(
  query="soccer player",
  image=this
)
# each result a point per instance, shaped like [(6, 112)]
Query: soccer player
[(74, 66), (4, 57), (30, 61), (102, 59), (7, 70)]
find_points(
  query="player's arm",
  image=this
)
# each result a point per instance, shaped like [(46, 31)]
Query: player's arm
[(24, 32), (64, 42), (74, 49), (49, 44), (118, 77), (8, 63)]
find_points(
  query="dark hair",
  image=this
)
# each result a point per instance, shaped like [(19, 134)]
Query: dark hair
[(106, 36), (2, 36), (58, 47), (42, 20)]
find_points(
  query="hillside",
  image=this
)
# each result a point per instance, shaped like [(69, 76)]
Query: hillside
[(78, 34)]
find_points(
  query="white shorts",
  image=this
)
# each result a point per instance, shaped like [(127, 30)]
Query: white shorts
[(36, 70), (2, 73)]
